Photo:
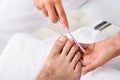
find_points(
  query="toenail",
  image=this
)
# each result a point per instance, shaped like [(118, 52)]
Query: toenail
[(62, 38)]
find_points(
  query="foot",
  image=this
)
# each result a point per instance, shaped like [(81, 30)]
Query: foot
[(63, 62)]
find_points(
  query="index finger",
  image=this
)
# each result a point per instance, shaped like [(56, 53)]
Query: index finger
[(61, 14)]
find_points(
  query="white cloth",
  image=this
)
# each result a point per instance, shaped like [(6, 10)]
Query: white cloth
[(24, 55), (73, 4), (103, 73), (108, 10), (18, 16)]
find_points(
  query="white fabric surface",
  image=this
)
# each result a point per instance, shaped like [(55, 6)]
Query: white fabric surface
[(103, 73), (18, 16), (24, 55), (108, 10)]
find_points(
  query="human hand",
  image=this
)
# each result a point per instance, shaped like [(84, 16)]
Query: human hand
[(99, 53), (52, 9)]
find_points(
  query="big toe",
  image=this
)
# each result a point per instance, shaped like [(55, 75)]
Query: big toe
[(59, 44)]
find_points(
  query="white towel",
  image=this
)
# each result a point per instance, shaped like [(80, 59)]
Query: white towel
[(24, 55)]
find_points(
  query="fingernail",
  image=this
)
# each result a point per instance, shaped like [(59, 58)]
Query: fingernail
[(62, 38)]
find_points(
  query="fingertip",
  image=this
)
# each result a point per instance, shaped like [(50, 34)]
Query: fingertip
[(84, 72), (89, 68), (46, 15), (66, 26), (53, 19), (45, 12), (65, 22)]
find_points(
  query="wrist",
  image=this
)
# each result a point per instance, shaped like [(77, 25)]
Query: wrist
[(117, 43), (42, 77)]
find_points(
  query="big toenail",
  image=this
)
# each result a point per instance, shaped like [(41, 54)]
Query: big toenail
[(62, 38)]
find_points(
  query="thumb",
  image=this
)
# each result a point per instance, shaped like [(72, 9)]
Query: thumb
[(91, 67)]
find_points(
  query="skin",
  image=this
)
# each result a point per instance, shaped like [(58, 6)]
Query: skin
[(99, 53), (108, 48), (63, 62), (54, 10)]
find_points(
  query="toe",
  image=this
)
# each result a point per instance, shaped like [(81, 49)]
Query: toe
[(78, 70), (68, 47), (76, 59), (59, 44), (72, 52)]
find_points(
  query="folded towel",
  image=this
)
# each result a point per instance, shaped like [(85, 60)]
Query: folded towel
[(24, 55)]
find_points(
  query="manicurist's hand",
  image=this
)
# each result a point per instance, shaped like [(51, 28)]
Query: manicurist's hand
[(99, 53), (52, 9)]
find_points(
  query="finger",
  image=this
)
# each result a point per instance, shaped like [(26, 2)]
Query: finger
[(37, 4), (91, 67), (52, 13), (45, 12), (61, 14)]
